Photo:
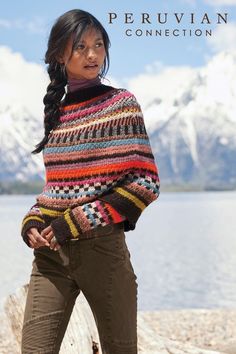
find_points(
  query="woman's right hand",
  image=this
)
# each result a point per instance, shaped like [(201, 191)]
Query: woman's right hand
[(35, 239)]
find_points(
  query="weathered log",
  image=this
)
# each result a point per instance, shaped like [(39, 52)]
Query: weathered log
[(82, 331)]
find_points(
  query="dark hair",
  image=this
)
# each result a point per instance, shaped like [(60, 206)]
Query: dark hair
[(74, 22)]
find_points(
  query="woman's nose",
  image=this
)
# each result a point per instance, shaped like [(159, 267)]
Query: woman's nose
[(91, 53)]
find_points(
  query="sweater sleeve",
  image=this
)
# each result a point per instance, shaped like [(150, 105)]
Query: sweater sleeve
[(33, 218), (133, 193)]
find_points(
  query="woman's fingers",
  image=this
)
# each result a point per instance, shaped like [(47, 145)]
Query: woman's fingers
[(45, 231), (49, 236), (35, 239), (57, 247), (31, 243), (46, 238), (54, 245)]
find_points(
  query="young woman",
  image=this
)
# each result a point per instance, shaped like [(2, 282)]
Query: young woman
[(100, 176)]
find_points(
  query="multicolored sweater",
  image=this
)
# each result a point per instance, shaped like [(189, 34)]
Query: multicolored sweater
[(99, 165)]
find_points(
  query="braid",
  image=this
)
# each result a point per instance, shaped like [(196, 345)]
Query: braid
[(69, 26), (52, 100)]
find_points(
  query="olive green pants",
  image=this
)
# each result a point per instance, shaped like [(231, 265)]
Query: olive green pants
[(100, 267)]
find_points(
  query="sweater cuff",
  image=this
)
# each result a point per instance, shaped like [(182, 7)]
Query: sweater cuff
[(32, 221), (64, 227)]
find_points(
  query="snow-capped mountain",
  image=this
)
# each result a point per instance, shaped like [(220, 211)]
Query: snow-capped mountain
[(190, 115), (191, 120), (200, 152), (22, 87), (19, 132)]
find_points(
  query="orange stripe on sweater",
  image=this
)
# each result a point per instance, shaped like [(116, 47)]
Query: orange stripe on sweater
[(115, 215), (100, 169)]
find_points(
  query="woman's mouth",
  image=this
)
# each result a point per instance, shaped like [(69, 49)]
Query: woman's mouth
[(91, 66)]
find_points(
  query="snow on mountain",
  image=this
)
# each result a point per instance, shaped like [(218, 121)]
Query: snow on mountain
[(22, 86), (190, 114), (19, 132)]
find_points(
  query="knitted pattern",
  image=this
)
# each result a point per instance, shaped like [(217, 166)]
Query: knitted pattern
[(99, 165)]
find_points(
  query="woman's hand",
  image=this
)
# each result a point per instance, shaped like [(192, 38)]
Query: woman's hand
[(35, 239), (48, 235)]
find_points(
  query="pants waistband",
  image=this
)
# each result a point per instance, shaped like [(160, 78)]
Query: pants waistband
[(99, 231)]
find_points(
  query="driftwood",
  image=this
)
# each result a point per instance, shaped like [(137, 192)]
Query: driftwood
[(81, 332), (81, 336)]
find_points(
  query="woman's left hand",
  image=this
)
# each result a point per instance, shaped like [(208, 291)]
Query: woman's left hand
[(47, 233)]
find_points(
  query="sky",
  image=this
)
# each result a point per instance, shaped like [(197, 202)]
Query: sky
[(149, 66), (25, 26)]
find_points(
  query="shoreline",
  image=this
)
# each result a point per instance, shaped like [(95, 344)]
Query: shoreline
[(209, 329), (193, 330)]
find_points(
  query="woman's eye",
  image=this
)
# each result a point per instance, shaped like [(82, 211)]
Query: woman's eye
[(100, 44), (80, 46)]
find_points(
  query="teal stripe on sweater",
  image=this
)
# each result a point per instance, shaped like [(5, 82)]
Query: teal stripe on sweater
[(89, 214), (95, 145)]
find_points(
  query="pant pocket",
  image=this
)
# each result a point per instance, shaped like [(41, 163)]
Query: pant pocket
[(111, 245)]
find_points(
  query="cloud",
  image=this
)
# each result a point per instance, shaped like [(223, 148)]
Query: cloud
[(22, 83), (5, 23), (224, 38), (111, 81), (159, 89), (163, 93), (36, 25), (155, 67)]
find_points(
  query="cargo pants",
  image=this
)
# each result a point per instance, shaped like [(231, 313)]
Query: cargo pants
[(99, 266)]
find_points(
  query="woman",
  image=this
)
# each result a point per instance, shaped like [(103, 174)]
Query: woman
[(100, 176)]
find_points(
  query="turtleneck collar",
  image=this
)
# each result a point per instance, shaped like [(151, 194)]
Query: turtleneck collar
[(85, 94), (78, 84)]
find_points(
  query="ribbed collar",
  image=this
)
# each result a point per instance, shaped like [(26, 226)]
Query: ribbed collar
[(76, 84), (85, 94)]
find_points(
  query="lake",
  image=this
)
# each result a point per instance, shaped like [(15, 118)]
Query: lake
[(183, 250)]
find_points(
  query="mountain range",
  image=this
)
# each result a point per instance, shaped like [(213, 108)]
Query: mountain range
[(193, 135), (192, 131)]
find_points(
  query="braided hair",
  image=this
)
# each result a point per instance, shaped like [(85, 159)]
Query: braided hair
[(73, 22)]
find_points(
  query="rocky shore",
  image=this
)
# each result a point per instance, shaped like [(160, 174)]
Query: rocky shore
[(165, 332), (213, 329)]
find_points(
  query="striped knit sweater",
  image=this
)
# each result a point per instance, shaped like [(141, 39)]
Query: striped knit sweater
[(99, 165)]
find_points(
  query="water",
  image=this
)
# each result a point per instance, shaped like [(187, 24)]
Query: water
[(183, 250)]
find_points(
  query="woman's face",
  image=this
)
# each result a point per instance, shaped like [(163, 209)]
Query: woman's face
[(86, 60)]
